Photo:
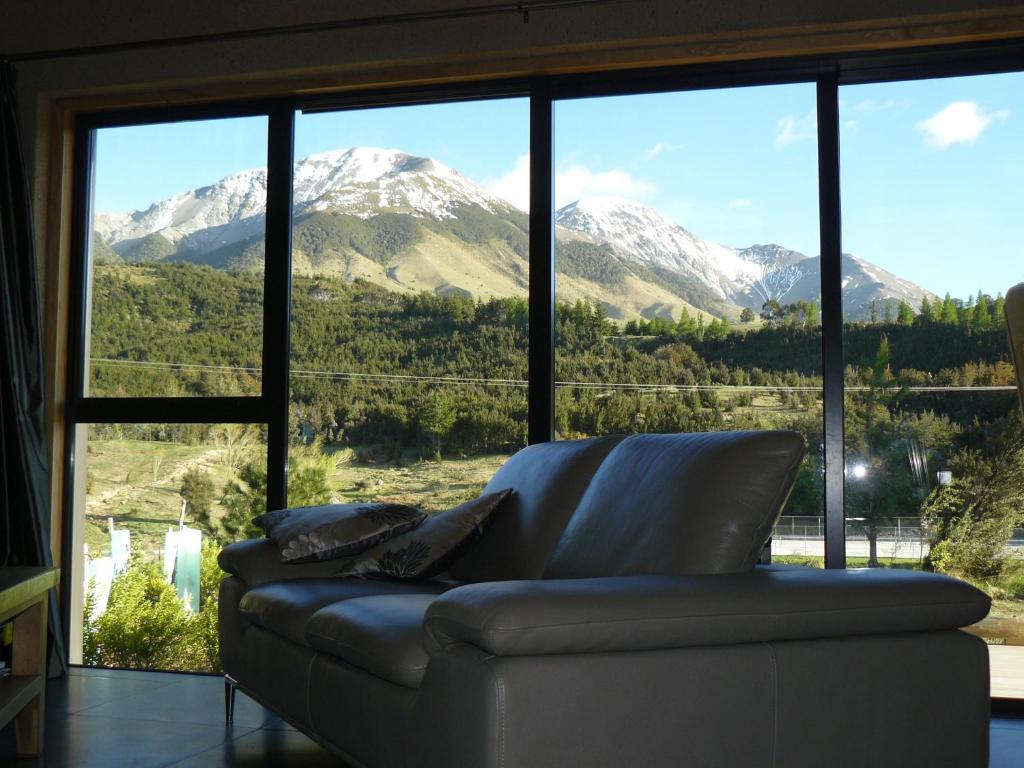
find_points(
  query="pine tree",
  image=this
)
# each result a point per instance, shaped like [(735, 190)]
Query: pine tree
[(927, 313), (999, 309), (197, 492), (949, 314), (980, 317), (905, 314)]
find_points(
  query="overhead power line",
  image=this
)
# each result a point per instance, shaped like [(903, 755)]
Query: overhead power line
[(522, 383)]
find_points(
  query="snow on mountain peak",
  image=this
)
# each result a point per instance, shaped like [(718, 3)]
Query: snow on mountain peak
[(360, 181), (654, 239)]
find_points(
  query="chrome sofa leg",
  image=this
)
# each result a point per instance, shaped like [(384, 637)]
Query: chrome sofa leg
[(229, 699)]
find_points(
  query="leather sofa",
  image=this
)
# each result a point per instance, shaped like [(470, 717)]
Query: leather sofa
[(603, 620)]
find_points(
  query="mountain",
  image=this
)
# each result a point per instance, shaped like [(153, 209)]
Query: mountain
[(864, 284), (722, 279), (362, 182), (412, 224), (647, 236)]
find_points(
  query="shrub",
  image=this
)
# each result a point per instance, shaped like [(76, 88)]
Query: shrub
[(146, 625)]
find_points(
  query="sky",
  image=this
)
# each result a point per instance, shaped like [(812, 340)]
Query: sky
[(931, 170)]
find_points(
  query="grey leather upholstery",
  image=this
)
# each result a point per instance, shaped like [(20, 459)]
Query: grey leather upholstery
[(674, 504), (915, 700), (383, 635), (637, 613), (549, 479), (286, 607), (780, 667)]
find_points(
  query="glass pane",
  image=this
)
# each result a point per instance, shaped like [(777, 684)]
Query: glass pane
[(176, 260), (687, 278), (154, 504), (931, 176), (409, 301)]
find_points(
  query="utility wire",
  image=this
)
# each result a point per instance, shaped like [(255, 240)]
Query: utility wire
[(522, 383)]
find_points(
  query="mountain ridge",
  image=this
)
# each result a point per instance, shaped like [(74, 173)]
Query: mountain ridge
[(412, 223)]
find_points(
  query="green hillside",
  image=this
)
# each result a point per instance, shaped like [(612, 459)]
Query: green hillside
[(154, 247)]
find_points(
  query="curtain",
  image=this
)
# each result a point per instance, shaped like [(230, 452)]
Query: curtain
[(24, 466)]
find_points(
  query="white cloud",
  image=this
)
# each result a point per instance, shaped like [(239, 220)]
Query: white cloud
[(793, 128), (662, 147), (960, 122), (571, 183), (514, 186), (740, 202), (578, 181)]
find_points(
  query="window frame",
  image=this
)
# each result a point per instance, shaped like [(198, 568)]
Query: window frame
[(828, 72)]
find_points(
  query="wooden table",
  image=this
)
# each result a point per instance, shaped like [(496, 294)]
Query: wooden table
[(23, 597)]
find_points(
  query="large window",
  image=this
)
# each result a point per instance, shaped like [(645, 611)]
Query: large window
[(686, 260), (932, 230), (175, 268), (333, 300), (169, 433), (410, 276)]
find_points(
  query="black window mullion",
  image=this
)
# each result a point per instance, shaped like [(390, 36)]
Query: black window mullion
[(829, 218), (277, 299), (541, 385), (168, 410)]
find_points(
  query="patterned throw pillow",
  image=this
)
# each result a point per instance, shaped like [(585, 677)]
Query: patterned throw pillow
[(307, 534), (430, 549)]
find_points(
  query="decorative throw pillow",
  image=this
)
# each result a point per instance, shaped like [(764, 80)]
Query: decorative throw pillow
[(307, 534), (431, 548)]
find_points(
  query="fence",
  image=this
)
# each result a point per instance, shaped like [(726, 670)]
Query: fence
[(902, 537)]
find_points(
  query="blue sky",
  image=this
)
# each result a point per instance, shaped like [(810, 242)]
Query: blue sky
[(932, 171)]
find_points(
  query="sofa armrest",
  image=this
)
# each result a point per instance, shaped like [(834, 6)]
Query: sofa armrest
[(637, 613), (258, 561)]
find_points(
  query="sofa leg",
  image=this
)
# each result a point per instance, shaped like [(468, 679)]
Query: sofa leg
[(229, 700)]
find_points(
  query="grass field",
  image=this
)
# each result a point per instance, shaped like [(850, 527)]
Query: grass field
[(137, 482)]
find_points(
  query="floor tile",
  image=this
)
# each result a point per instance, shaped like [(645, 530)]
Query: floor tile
[(197, 700), (130, 674), (84, 741), (76, 693), (267, 749)]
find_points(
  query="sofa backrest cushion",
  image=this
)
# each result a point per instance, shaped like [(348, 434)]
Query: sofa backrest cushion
[(547, 481), (680, 504)]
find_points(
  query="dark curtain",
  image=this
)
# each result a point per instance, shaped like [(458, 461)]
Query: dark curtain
[(24, 467)]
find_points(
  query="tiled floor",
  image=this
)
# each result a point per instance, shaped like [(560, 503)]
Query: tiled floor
[(112, 719), (115, 719)]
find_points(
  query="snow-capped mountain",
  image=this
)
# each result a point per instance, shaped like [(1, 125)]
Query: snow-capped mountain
[(655, 240), (363, 182), (780, 271), (864, 283), (747, 277), (412, 224)]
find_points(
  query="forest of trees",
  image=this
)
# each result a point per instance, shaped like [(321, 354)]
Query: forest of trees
[(434, 376), (443, 375)]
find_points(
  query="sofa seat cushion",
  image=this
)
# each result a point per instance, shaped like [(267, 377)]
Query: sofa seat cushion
[(285, 607), (381, 634)]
